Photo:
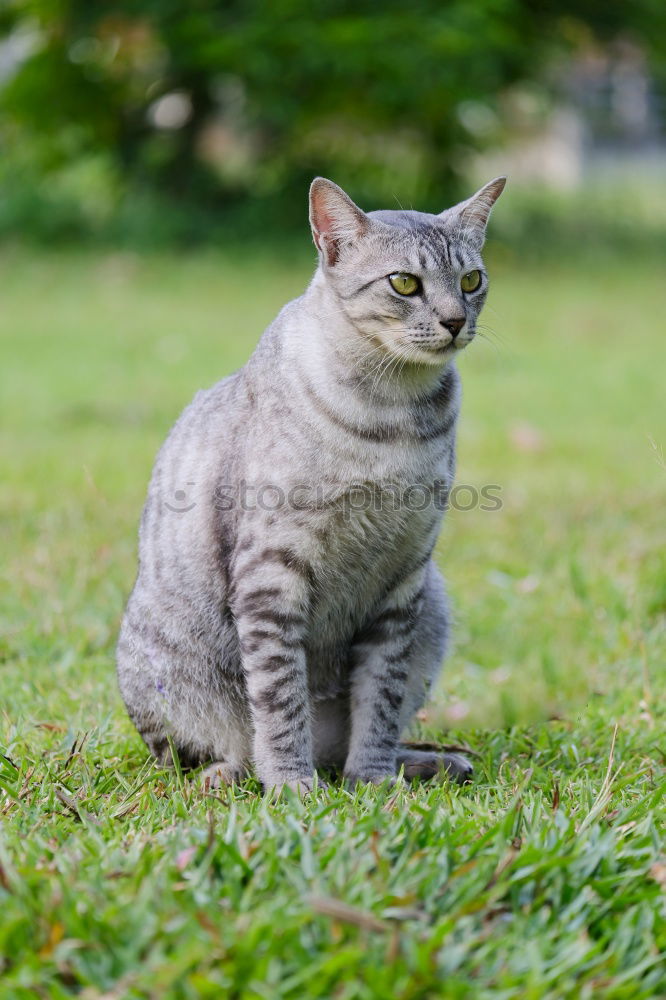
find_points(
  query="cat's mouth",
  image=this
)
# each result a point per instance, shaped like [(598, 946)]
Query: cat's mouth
[(454, 346), (425, 351), (437, 351)]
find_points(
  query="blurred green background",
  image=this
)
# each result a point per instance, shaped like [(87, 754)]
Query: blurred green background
[(159, 122)]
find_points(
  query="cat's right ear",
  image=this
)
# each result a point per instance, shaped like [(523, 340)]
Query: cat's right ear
[(335, 220)]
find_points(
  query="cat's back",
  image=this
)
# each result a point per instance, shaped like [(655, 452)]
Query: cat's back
[(201, 440), (179, 536), (187, 520)]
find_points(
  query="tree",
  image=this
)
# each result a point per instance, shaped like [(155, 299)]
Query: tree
[(387, 98)]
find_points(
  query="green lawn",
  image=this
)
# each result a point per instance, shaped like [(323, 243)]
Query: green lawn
[(547, 876)]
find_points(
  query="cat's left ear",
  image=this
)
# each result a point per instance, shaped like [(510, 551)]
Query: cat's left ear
[(472, 215), (335, 220)]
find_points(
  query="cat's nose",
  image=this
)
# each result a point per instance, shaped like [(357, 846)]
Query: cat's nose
[(454, 326)]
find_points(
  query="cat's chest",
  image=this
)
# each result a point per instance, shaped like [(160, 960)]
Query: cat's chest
[(367, 552), (364, 548)]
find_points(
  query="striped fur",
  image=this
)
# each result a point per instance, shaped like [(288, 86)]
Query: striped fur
[(306, 629)]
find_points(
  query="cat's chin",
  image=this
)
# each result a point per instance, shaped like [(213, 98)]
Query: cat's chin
[(446, 354), (435, 357)]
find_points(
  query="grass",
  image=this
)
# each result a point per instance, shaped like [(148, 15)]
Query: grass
[(547, 876)]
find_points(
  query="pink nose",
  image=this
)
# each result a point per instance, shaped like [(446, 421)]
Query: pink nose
[(454, 326)]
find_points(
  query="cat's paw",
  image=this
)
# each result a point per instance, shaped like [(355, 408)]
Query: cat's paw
[(424, 765), (457, 767), (301, 786), (353, 778), (222, 773)]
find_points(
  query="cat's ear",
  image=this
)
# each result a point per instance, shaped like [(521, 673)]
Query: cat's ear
[(472, 214), (335, 220)]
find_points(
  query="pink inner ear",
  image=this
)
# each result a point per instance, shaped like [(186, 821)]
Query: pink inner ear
[(323, 231), (323, 221), (335, 219)]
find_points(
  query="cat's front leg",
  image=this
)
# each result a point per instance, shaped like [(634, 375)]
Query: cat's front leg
[(271, 623), (380, 667)]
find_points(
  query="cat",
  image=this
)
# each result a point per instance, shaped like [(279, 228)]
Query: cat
[(287, 612)]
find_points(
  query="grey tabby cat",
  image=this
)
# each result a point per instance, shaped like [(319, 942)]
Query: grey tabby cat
[(287, 612)]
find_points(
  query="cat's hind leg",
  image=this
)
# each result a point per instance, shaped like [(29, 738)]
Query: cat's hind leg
[(181, 700), (431, 640), (223, 772)]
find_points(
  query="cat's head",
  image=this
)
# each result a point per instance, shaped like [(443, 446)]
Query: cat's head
[(413, 284)]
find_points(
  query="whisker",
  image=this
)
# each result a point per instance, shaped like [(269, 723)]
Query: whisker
[(491, 333), (484, 336)]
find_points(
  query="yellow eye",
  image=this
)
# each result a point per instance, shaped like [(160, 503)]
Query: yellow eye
[(406, 284), (470, 281)]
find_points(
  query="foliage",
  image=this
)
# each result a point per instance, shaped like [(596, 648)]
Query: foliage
[(387, 98), (543, 879)]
